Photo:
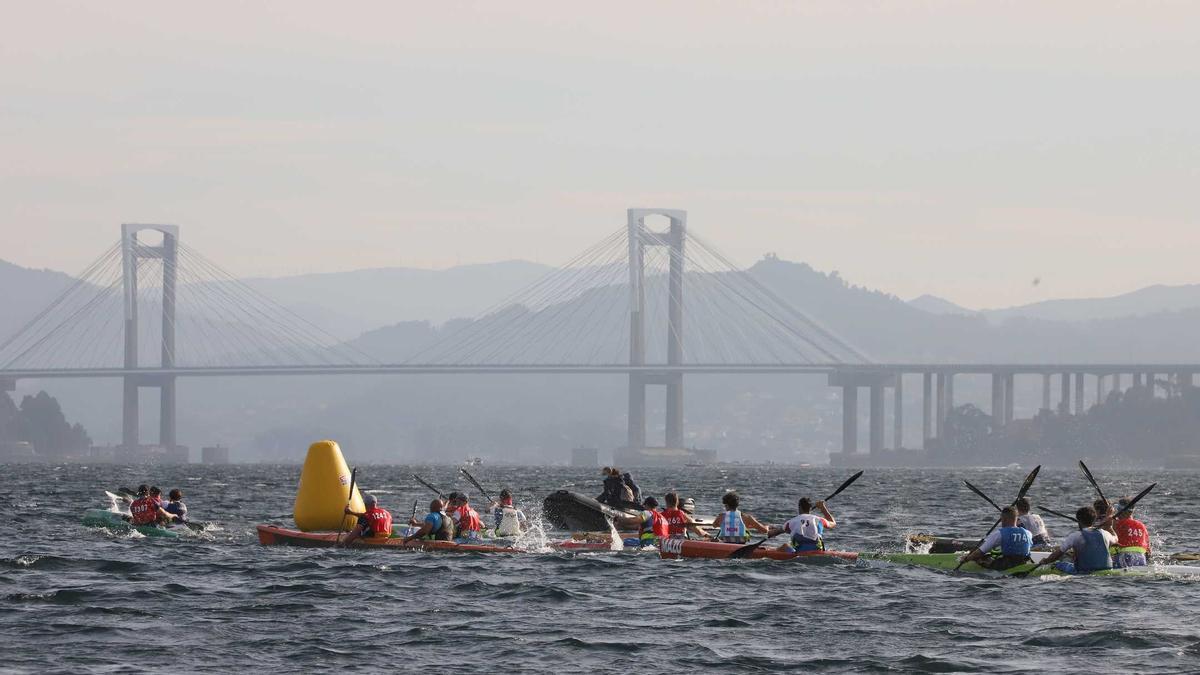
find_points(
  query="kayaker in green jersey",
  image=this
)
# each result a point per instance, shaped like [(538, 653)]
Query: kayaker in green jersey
[(436, 525), (732, 525), (1089, 545), (1014, 542)]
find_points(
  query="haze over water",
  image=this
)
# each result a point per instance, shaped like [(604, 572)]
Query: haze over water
[(93, 601)]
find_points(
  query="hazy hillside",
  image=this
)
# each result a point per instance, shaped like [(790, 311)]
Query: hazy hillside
[(25, 293), (1149, 300), (936, 305)]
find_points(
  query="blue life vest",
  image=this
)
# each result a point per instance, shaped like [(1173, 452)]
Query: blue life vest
[(1015, 541), (176, 509), (1094, 555), (733, 528)]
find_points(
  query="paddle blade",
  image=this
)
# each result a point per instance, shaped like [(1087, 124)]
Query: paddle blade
[(1135, 500), (1091, 479), (844, 485), (980, 493), (1028, 482), (748, 549)]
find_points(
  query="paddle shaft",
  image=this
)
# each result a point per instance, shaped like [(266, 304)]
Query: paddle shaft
[(349, 499), (1092, 479), (436, 491), (477, 485)]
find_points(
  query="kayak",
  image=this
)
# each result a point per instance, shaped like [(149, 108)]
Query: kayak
[(120, 522), (674, 549), (271, 535), (948, 561)]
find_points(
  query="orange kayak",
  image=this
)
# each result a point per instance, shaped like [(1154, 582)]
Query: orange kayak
[(673, 549), (270, 535)]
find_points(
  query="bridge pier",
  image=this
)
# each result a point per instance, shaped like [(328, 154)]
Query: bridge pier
[(926, 409), (850, 419), (875, 383), (997, 400), (1064, 398), (1009, 397), (898, 413), (1046, 391), (1079, 393)]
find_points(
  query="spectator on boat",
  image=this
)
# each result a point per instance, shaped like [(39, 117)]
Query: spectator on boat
[(617, 492), (1133, 539), (732, 525), (1032, 522), (374, 522), (435, 526), (1015, 543)]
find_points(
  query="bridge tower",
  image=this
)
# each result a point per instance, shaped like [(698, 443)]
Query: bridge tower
[(131, 252), (673, 239)]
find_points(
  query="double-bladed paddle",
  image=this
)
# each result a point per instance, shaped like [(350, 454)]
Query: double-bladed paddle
[(1060, 515), (1040, 508), (1092, 480), (1123, 509), (745, 551), (350, 498), (477, 485), (1024, 488), (439, 493)]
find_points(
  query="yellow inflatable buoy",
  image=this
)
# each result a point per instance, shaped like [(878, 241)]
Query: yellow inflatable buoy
[(324, 489)]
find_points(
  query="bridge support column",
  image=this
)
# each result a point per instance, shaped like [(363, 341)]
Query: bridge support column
[(877, 413), (1009, 397), (997, 400), (1079, 393), (898, 413), (1099, 389), (941, 405), (7, 384), (1046, 391), (850, 419), (926, 409), (1064, 399)]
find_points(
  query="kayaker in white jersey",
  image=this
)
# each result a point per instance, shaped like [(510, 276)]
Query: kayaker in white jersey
[(1089, 544), (807, 529), (732, 525), (1032, 522), (508, 520), (1014, 542)]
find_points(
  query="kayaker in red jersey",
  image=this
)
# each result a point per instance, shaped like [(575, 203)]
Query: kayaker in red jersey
[(146, 510), (467, 523), (1133, 539), (374, 522), (679, 523)]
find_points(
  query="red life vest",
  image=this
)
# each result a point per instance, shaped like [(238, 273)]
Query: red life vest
[(144, 511), (468, 519), (657, 525), (380, 521), (1132, 533), (677, 522)]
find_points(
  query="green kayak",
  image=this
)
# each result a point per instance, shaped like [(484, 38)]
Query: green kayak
[(948, 561), (119, 522)]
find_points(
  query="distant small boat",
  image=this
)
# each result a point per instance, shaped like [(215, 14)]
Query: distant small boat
[(473, 461), (1014, 466)]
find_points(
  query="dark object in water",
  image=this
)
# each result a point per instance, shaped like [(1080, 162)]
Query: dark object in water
[(566, 510)]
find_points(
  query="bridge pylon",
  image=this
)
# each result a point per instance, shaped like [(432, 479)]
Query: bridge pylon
[(131, 252), (673, 239)]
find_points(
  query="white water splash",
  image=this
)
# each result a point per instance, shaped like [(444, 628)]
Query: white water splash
[(617, 543)]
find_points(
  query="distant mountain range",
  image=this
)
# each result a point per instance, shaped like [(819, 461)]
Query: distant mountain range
[(1142, 302)]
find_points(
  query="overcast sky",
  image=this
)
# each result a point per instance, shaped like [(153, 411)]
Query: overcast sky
[(960, 149)]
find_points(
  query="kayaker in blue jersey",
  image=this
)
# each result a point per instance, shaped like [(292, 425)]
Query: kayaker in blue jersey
[(807, 530), (1089, 545), (732, 525), (1032, 522), (435, 526), (176, 507), (1014, 542)]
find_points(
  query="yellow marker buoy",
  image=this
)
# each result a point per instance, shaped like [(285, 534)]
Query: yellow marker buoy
[(324, 490)]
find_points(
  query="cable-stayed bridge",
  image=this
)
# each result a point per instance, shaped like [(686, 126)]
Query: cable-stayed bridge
[(651, 304)]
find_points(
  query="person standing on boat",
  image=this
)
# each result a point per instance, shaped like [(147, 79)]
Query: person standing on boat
[(633, 494), (1032, 522), (508, 520), (1015, 543), (176, 507), (1133, 539), (618, 492), (467, 524), (679, 523), (807, 529), (374, 522), (734, 526), (435, 526), (1089, 545)]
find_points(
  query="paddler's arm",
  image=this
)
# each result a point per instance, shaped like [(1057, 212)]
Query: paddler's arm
[(426, 527), (989, 543), (627, 521), (753, 524), (825, 512), (716, 524)]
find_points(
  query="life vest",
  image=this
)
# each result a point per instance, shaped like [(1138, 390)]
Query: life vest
[(178, 509), (443, 530), (468, 520), (144, 511), (733, 528), (1132, 536), (1093, 554), (806, 530), (380, 521), (1015, 542), (508, 522), (655, 527), (677, 522)]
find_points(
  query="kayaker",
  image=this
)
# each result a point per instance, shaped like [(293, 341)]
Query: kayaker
[(508, 520), (156, 495), (1032, 522), (467, 524), (807, 529), (651, 525), (679, 523), (732, 525), (1133, 539), (1089, 545), (176, 507), (435, 526), (1104, 512), (374, 522), (1015, 543), (145, 510)]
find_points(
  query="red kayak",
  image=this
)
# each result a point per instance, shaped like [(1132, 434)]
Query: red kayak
[(673, 549), (270, 535)]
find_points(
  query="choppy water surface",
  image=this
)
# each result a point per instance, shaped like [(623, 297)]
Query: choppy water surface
[(82, 599)]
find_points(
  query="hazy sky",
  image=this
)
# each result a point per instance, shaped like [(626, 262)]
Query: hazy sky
[(961, 149)]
